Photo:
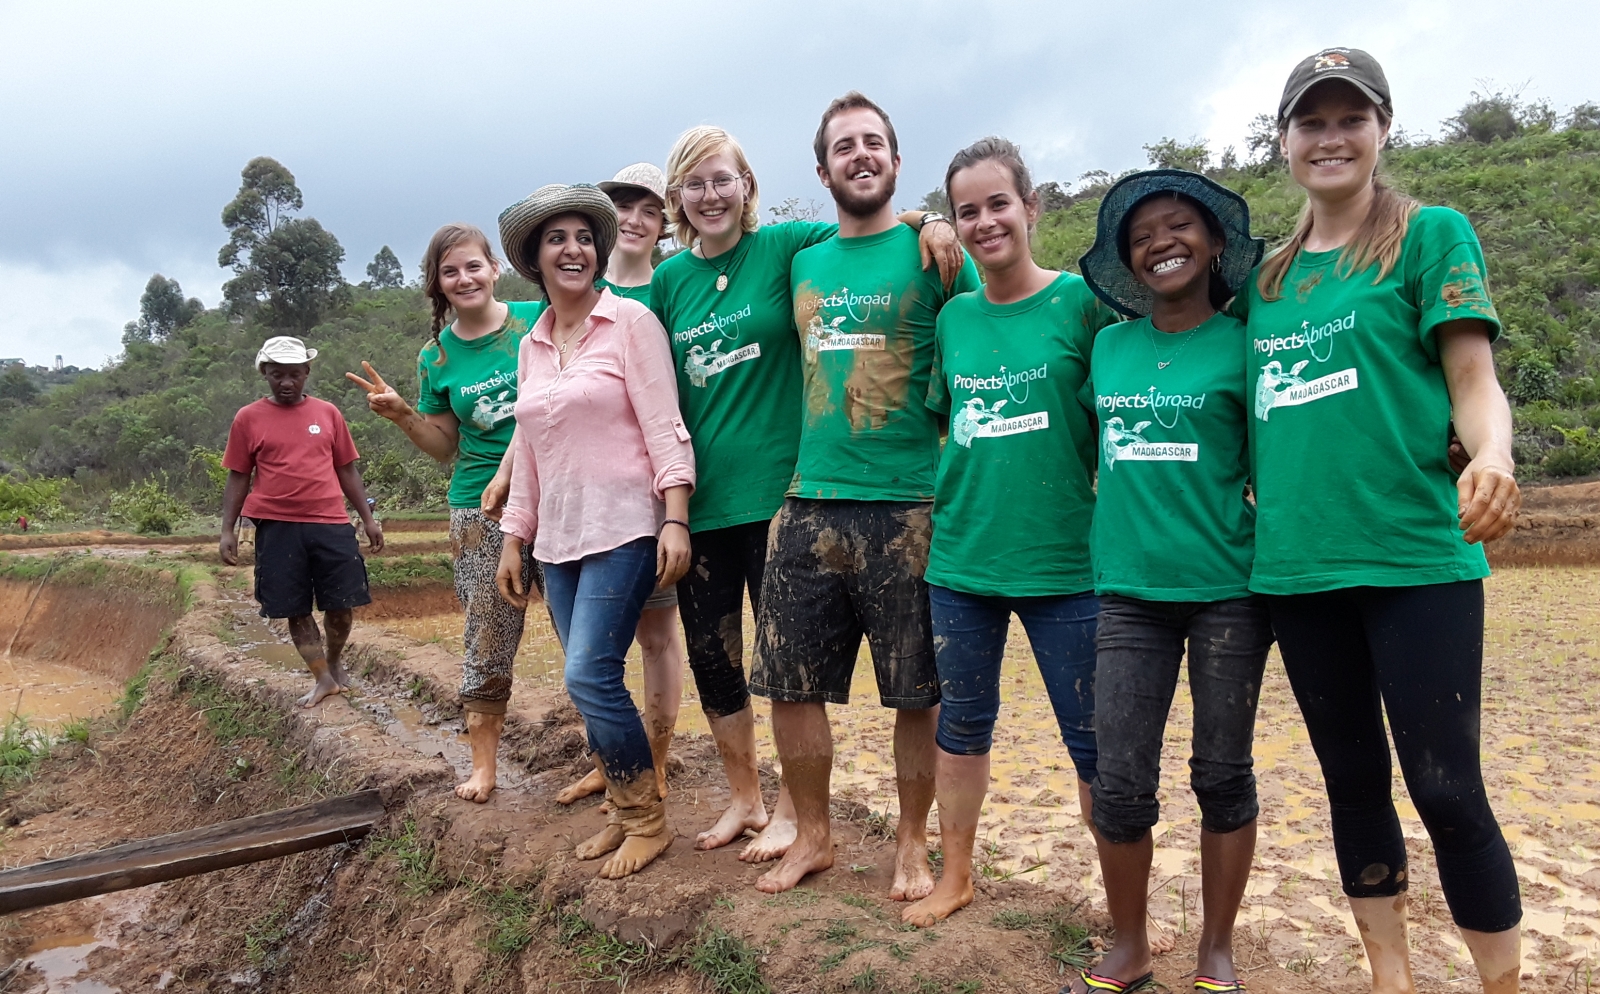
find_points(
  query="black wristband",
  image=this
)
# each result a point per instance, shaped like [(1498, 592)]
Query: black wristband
[(673, 521)]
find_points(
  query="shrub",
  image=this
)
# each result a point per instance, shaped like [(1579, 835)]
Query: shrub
[(1578, 455), (148, 507), (38, 499)]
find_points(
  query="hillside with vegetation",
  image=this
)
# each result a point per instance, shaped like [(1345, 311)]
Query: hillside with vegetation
[(138, 444)]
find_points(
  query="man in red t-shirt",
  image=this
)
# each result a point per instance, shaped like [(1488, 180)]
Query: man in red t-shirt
[(304, 462)]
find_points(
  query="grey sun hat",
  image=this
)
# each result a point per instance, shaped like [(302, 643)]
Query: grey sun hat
[(639, 176), (521, 220), (284, 350), (1351, 65), (1111, 279)]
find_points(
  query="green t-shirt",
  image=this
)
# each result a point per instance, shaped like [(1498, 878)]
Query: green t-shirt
[(1015, 494), (1349, 433), (738, 361), (641, 293), (1171, 521), (477, 382), (865, 309)]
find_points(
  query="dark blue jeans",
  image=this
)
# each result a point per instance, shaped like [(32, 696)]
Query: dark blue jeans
[(596, 602), (969, 638), (1141, 655)]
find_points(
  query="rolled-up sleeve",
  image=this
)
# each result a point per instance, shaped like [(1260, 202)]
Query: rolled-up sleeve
[(521, 516), (653, 391)]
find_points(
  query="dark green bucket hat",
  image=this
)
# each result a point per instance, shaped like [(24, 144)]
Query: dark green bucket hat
[(1110, 278)]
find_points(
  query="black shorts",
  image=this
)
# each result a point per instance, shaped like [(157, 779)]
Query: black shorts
[(838, 570), (299, 560)]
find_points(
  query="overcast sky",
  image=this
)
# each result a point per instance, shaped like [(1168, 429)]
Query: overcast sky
[(123, 126)]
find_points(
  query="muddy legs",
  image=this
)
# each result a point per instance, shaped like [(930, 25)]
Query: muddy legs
[(735, 735), (963, 784), (805, 745), (323, 663), (483, 732), (636, 830), (915, 762), (1498, 956)]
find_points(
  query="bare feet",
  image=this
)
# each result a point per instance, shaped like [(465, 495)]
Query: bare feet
[(340, 677), (601, 842), (732, 824), (805, 856), (1161, 941), (949, 896), (913, 879), (594, 783), (326, 687), (636, 852), (478, 786), (773, 841)]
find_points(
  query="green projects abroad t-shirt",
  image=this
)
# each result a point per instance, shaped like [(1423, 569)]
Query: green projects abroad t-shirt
[(477, 382), (1171, 520), (865, 309), (641, 293), (1015, 495), (738, 362), (1350, 416)]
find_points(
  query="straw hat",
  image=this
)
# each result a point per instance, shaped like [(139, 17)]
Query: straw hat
[(520, 221), (1111, 279)]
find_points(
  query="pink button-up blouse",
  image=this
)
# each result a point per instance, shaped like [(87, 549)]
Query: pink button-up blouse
[(600, 441)]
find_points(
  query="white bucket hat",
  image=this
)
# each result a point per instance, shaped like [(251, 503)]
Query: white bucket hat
[(285, 350), (640, 176)]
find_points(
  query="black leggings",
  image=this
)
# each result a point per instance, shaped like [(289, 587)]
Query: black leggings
[(1415, 653), (723, 561)]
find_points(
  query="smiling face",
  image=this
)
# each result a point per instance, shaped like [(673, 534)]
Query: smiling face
[(1170, 248), (860, 169), (286, 380), (467, 276), (567, 259), (641, 223), (992, 219), (717, 215), (1333, 140)]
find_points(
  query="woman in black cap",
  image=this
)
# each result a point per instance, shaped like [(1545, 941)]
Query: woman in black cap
[(1368, 334), (1173, 540)]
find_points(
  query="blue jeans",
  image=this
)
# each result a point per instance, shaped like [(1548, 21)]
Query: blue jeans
[(969, 637), (596, 602)]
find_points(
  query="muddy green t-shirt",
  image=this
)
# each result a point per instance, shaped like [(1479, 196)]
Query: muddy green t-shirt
[(1350, 416), (1171, 520), (477, 382), (738, 363), (1015, 495), (641, 293), (865, 309)]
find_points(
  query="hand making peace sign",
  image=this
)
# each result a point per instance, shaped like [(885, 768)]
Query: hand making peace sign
[(383, 399)]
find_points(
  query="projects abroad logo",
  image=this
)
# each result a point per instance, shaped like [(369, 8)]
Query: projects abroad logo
[(1119, 443), (1317, 338), (830, 338), (713, 324), (1006, 379), (701, 362), (1276, 388), (852, 303), (976, 420), (497, 380)]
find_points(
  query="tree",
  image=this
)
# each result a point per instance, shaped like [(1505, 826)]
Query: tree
[(793, 210), (17, 387), (1498, 116), (936, 201), (266, 195), (1169, 153), (384, 272), (163, 309), (1262, 141), (1052, 197), (297, 268)]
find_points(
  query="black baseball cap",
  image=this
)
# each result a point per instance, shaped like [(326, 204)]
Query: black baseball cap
[(1351, 65)]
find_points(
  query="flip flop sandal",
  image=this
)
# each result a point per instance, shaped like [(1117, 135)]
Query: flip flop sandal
[(1097, 984), (1210, 985)]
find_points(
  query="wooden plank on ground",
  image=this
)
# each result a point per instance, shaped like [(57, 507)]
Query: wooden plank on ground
[(183, 854)]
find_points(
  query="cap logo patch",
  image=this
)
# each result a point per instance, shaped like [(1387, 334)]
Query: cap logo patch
[(315, 429), (1330, 60)]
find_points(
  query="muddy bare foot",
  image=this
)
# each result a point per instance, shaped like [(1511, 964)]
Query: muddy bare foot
[(341, 678), (602, 842), (326, 687), (804, 857), (636, 853), (948, 897), (732, 824), (594, 783), (478, 786), (773, 841), (1161, 942), (913, 878)]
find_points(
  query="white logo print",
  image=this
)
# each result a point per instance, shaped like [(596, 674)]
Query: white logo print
[(828, 338), (701, 363), (712, 324), (314, 429), (490, 410), (1122, 444), (1279, 389), (974, 420)]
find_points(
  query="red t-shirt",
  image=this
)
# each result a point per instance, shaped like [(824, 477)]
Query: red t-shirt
[(293, 452)]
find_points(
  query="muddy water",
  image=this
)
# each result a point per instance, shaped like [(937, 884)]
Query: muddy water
[(52, 693), (62, 959)]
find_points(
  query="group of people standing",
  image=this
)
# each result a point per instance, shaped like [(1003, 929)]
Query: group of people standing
[(1185, 448)]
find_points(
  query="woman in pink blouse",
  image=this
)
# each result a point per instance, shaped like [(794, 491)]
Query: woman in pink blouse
[(601, 475)]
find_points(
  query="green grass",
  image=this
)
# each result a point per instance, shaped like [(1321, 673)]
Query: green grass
[(600, 954), (231, 718), (266, 933), (415, 857), (728, 963), (133, 692), (512, 915), (22, 747), (420, 570), (1068, 940)]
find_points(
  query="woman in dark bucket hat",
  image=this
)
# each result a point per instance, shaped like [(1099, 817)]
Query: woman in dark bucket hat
[(1173, 540)]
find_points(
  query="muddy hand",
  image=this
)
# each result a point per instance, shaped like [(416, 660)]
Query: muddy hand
[(508, 576), (382, 399), (1489, 500), (938, 243), (374, 535), (493, 501), (228, 548)]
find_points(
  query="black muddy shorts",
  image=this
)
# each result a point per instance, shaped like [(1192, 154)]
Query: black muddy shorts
[(838, 570), (297, 561)]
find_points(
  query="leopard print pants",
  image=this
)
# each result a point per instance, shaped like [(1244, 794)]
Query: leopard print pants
[(493, 627)]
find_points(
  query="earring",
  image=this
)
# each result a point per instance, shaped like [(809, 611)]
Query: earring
[(1216, 264)]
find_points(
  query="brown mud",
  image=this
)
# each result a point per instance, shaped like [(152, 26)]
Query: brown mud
[(1558, 526), (452, 896)]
